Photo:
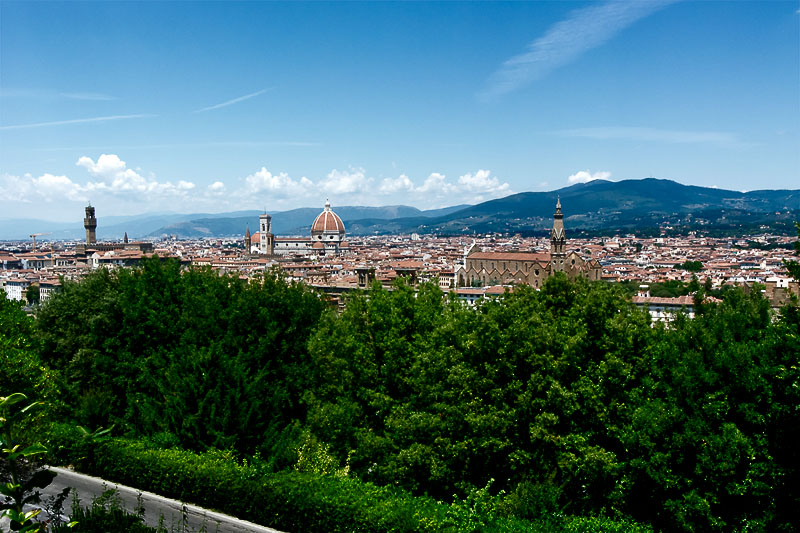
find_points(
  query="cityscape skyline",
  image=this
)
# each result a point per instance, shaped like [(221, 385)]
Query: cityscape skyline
[(218, 107)]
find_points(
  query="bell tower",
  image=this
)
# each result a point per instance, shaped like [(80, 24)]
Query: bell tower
[(266, 243), (90, 223), (558, 241)]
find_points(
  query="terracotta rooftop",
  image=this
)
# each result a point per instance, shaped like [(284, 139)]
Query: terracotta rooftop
[(510, 256), (656, 300), (327, 222)]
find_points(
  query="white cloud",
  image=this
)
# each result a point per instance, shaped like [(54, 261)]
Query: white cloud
[(15, 188), (216, 188), (356, 187), (47, 187), (402, 183), (117, 188), (436, 183), (117, 179), (281, 185), (437, 190), (57, 187), (582, 30), (346, 181), (584, 176), (107, 166), (483, 182)]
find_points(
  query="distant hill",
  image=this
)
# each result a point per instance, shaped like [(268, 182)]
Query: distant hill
[(597, 206), (606, 205), (108, 228), (293, 222)]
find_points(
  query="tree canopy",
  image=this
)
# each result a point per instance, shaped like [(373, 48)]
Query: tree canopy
[(563, 400)]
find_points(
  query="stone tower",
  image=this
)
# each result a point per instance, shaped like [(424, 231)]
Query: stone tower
[(247, 241), (267, 239), (558, 241), (90, 223)]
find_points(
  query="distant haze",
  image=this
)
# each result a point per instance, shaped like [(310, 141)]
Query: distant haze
[(597, 205)]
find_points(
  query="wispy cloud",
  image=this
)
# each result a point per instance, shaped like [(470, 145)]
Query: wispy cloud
[(233, 101), (210, 144), (48, 94), (565, 41), (74, 121), (656, 135), (88, 96)]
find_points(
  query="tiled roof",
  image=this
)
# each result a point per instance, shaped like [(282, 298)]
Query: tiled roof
[(656, 300), (510, 256)]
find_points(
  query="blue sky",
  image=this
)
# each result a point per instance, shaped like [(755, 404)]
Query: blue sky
[(209, 107)]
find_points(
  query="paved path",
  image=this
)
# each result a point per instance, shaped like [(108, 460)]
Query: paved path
[(155, 506)]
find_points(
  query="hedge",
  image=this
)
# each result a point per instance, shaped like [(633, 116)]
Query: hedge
[(294, 501)]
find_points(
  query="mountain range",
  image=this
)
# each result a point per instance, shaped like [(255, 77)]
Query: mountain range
[(597, 206)]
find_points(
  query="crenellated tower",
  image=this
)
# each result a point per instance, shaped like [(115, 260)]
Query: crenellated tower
[(90, 223)]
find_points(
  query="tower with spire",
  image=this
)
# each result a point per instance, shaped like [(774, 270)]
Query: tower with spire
[(247, 242), (487, 267), (558, 240)]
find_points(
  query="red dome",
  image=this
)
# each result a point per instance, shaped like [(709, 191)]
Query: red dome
[(327, 222)]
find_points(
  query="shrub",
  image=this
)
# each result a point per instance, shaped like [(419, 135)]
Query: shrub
[(300, 501)]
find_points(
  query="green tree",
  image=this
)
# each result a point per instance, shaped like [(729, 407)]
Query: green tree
[(691, 266), (192, 356), (22, 369), (20, 474), (32, 294)]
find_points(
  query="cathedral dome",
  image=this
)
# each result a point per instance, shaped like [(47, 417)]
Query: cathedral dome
[(327, 223)]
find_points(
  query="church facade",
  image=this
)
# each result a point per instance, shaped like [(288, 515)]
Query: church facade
[(508, 268)]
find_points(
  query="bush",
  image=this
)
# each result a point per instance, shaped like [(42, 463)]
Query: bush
[(297, 501)]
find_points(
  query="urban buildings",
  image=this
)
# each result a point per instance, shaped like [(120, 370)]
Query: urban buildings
[(487, 264), (482, 268)]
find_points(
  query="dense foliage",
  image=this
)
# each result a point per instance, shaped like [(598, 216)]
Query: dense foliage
[(560, 402), (568, 398), (195, 359), (309, 502), (21, 369), (691, 266)]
